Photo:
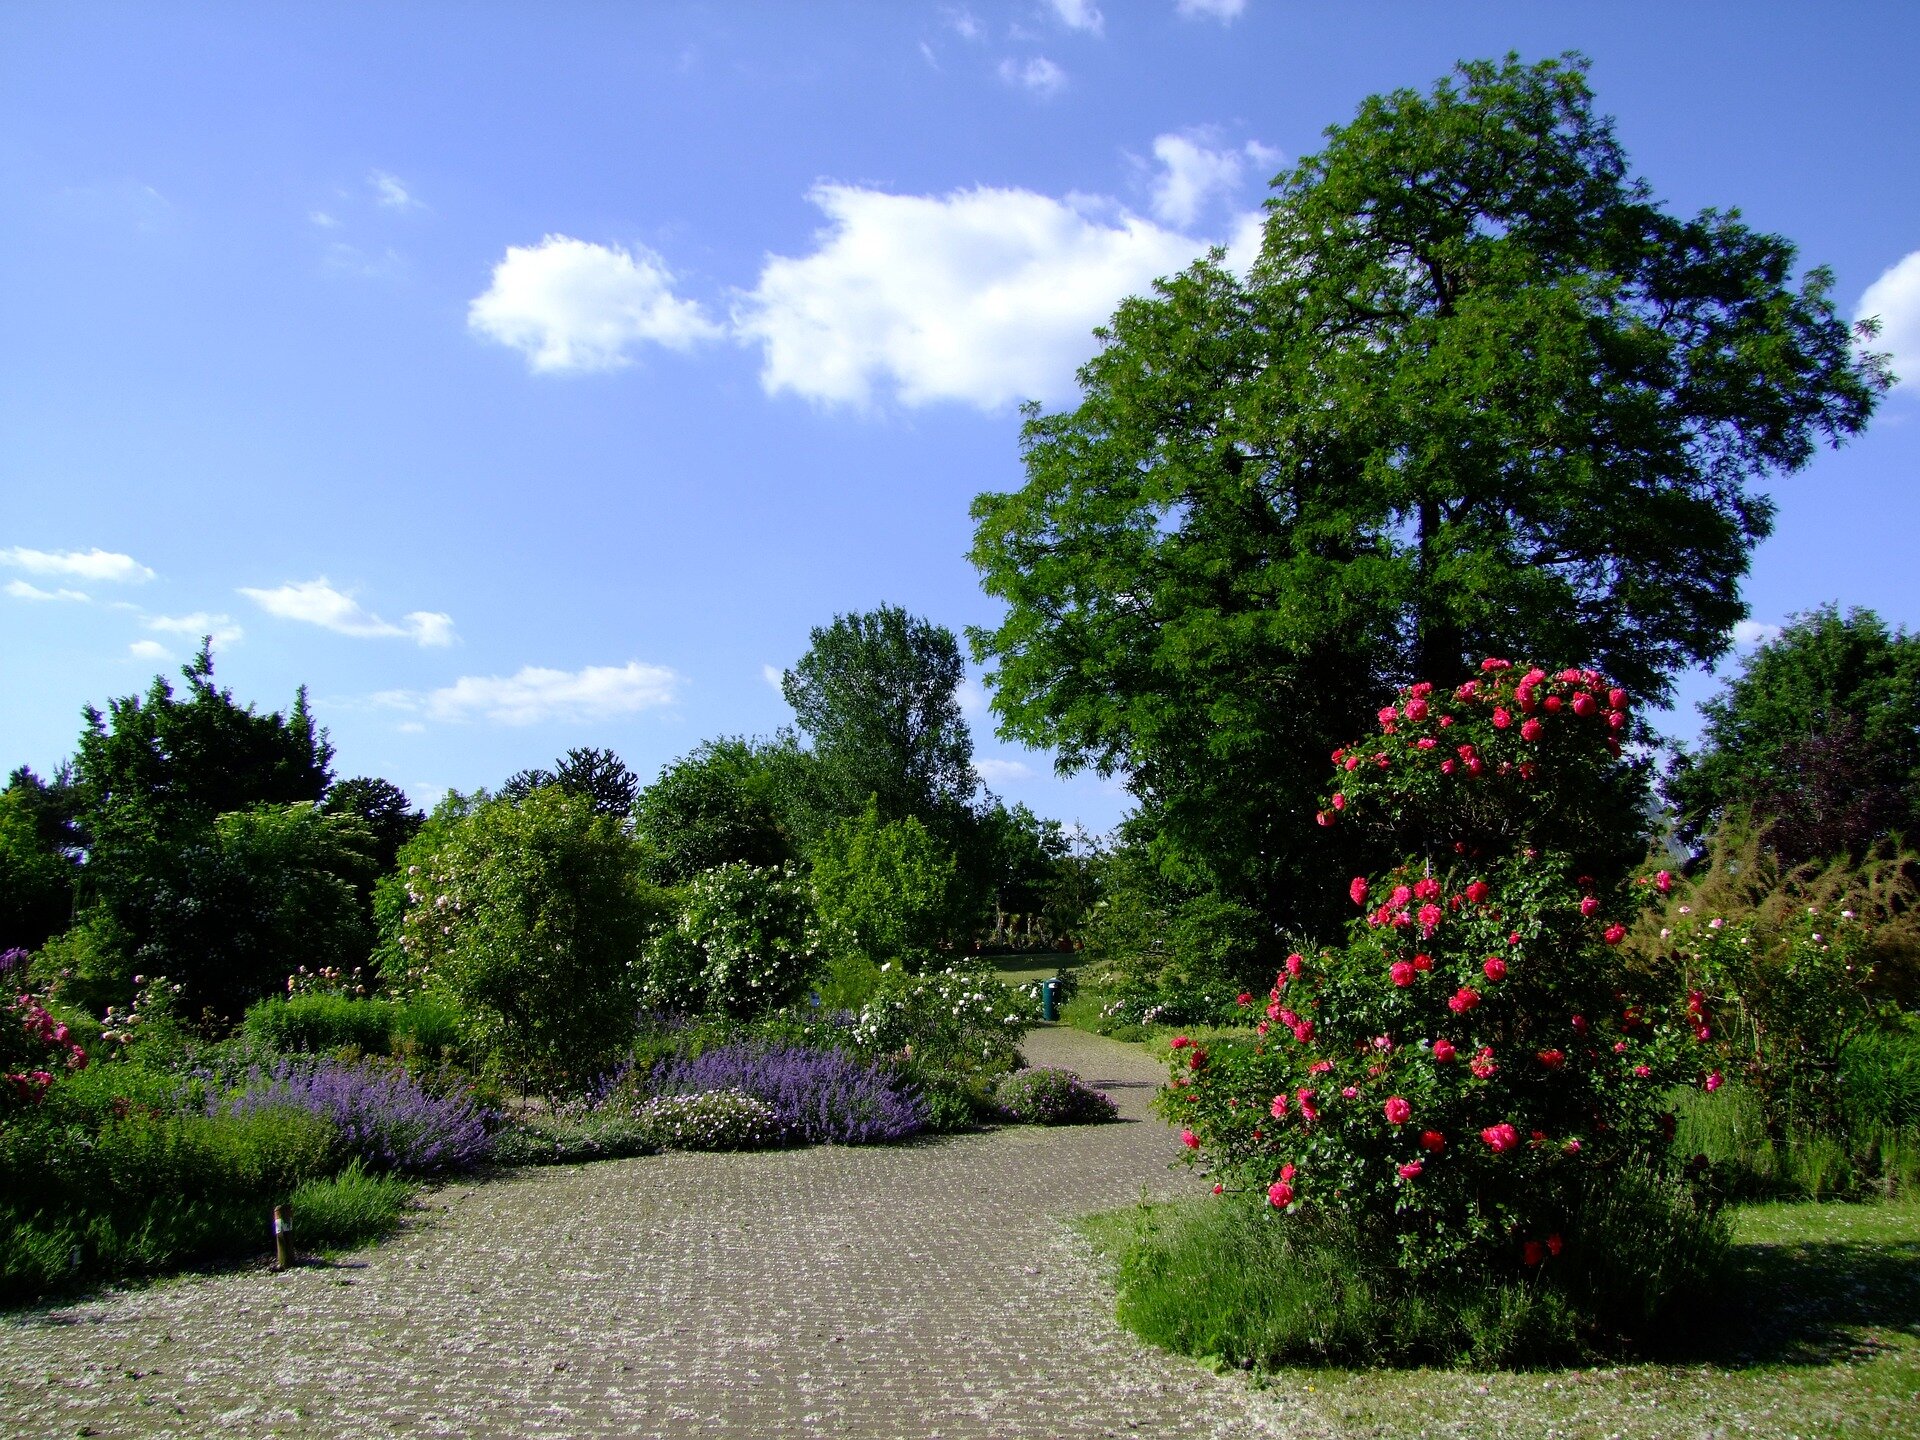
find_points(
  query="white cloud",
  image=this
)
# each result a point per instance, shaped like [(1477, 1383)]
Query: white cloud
[(966, 25), (971, 699), (569, 304), (985, 296), (1225, 11), (1038, 75), (388, 191), (149, 650), (1193, 174), (775, 677), (1002, 772), (1079, 15), (315, 602), (323, 220), (1895, 298), (537, 694), (22, 590), (99, 566), (199, 623), (1749, 633)]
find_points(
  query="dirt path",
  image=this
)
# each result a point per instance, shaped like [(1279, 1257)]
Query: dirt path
[(925, 1290)]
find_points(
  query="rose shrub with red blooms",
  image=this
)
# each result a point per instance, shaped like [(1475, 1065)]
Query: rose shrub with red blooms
[(1516, 874)]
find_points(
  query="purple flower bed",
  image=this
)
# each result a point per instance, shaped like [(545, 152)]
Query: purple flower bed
[(820, 1096), (385, 1116)]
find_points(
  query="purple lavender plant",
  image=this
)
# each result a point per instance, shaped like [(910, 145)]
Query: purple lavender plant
[(384, 1116), (14, 959), (820, 1096)]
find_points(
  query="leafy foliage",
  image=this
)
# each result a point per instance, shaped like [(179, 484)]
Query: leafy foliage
[(1462, 1074), (726, 803), (1818, 736), (531, 917), (39, 845), (745, 942), (383, 808), (1478, 394), (886, 892), (876, 693), (207, 859)]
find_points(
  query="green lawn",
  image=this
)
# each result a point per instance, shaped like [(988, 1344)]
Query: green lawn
[(1820, 1337)]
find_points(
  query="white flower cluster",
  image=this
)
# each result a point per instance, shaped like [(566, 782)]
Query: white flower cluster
[(715, 1120)]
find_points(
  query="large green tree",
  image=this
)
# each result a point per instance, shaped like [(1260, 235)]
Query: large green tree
[(164, 887), (1817, 735), (1479, 393)]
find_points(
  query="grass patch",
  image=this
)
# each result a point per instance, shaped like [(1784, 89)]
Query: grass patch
[(349, 1209), (1814, 1331)]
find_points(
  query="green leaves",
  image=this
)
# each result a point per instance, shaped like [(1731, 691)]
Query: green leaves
[(1478, 395)]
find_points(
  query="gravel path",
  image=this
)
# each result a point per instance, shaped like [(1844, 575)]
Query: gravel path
[(924, 1290)]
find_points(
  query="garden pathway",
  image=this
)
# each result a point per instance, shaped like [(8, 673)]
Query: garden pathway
[(929, 1290)]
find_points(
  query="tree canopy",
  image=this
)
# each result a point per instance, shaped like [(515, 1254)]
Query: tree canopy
[(1479, 394), (877, 694), (1818, 735)]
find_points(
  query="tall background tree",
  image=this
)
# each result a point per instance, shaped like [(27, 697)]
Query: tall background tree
[(1479, 394), (206, 859), (876, 695), (1817, 736), (599, 776)]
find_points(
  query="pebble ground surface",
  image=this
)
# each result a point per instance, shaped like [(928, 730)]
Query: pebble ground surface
[(927, 1290)]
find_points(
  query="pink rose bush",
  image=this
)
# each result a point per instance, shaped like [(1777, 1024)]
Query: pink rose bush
[(34, 1048), (1492, 942)]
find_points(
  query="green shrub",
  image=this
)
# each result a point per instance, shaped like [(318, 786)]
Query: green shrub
[(886, 892), (348, 1209), (745, 944), (529, 917), (1041, 1095), (426, 1027), (321, 1022), (715, 1120), (99, 1184)]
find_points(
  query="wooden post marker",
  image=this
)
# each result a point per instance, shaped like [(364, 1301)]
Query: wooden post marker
[(282, 1246)]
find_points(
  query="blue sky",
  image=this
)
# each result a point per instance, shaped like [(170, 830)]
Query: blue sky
[(525, 376)]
